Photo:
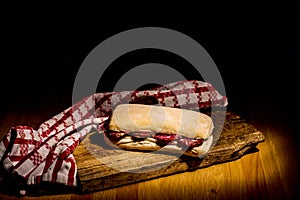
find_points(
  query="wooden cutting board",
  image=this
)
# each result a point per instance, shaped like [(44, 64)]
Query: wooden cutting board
[(101, 167)]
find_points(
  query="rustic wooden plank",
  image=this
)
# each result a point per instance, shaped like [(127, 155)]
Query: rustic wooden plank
[(102, 167)]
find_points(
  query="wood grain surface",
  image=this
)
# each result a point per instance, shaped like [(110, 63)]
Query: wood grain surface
[(101, 167), (269, 173)]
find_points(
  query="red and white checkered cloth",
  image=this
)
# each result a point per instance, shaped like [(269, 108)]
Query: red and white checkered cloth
[(46, 154)]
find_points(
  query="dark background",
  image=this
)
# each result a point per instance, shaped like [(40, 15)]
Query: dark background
[(256, 48)]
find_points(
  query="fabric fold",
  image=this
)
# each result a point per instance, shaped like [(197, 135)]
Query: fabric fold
[(45, 154)]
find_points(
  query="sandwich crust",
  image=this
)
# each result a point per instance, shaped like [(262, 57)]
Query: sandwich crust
[(149, 144), (160, 119)]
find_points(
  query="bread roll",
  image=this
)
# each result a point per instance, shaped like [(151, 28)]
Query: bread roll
[(160, 119), (149, 144)]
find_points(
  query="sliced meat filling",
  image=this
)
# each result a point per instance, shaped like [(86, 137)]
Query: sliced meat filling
[(161, 138)]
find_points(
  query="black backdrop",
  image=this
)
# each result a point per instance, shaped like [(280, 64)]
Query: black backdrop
[(255, 47)]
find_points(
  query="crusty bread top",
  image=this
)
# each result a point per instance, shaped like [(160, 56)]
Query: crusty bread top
[(160, 119)]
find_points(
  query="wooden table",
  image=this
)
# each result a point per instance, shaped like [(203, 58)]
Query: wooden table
[(269, 173)]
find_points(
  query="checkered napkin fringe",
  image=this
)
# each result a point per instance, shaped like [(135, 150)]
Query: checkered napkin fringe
[(46, 154)]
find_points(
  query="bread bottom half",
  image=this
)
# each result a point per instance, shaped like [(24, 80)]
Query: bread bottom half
[(149, 144)]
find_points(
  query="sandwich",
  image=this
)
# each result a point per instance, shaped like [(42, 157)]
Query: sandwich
[(159, 128)]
